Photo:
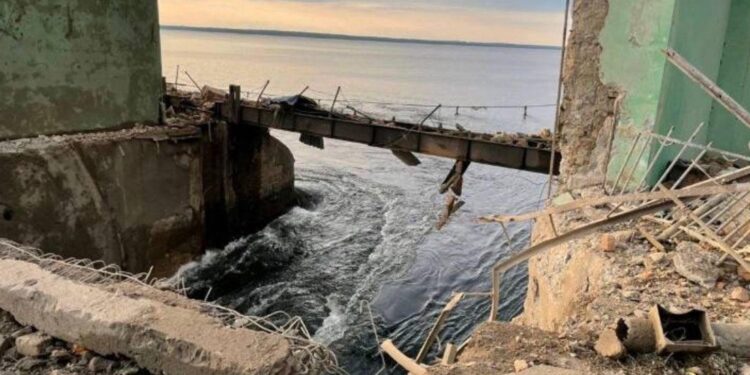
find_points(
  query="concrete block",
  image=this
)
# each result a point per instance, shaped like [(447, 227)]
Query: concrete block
[(33, 345), (158, 337)]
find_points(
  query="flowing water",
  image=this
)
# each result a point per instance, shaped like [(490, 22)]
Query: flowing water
[(363, 234)]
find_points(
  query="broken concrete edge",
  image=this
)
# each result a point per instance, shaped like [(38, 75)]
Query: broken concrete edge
[(157, 336)]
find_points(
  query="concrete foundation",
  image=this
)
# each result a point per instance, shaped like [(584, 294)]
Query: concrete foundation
[(159, 337), (143, 197)]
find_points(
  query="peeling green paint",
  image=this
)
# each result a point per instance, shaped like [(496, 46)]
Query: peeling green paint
[(713, 36), (632, 39), (77, 65)]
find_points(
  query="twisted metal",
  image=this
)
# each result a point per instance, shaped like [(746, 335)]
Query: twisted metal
[(311, 357)]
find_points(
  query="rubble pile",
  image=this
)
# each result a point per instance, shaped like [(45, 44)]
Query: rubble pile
[(26, 351)]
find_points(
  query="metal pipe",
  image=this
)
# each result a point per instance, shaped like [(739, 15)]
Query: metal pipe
[(654, 158), (335, 99), (625, 163), (263, 91), (690, 168), (646, 145), (677, 157)]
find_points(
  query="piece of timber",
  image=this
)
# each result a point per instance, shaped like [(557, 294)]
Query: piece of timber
[(528, 153)]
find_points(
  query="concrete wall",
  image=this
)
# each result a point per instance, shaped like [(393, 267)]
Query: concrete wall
[(618, 82), (74, 65), (697, 33), (121, 197), (734, 77), (632, 40), (612, 81), (142, 197)]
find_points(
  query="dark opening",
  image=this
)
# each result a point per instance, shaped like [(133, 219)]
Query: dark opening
[(682, 327), (7, 214)]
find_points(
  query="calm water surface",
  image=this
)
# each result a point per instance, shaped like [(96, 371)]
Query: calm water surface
[(364, 232)]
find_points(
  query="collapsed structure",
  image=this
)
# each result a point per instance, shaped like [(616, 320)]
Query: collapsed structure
[(651, 212), (628, 258), (99, 179)]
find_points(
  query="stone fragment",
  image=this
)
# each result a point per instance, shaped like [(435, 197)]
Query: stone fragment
[(694, 371), (130, 371), (745, 369), (657, 259), (6, 342), (740, 294), (33, 345), (607, 243), (520, 365), (696, 264), (99, 364), (27, 364), (609, 345), (744, 275), (61, 356)]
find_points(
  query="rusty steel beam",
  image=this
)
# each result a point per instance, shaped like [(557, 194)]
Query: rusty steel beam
[(530, 154)]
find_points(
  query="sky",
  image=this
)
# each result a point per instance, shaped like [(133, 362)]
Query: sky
[(509, 21)]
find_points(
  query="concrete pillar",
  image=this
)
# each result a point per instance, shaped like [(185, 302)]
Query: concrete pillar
[(70, 65)]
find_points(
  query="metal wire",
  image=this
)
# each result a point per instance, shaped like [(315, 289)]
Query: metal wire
[(311, 356)]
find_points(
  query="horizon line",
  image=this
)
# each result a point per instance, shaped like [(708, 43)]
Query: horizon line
[(317, 35)]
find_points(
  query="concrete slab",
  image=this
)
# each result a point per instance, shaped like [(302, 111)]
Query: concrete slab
[(161, 338)]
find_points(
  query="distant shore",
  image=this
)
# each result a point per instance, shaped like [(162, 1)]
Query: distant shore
[(300, 34)]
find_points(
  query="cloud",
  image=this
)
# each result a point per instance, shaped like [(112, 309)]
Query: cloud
[(474, 20)]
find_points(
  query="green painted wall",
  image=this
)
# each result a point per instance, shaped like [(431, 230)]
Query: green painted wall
[(75, 65), (698, 32), (725, 130), (634, 34)]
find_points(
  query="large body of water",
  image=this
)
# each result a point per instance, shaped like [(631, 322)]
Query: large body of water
[(364, 234)]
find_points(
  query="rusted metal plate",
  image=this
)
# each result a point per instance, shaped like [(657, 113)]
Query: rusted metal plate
[(497, 154), (432, 142), (399, 139), (439, 145), (350, 131)]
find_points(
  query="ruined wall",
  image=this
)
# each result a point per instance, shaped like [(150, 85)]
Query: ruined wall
[(613, 75), (612, 80), (250, 177), (132, 198), (141, 197), (588, 104), (725, 130), (74, 65)]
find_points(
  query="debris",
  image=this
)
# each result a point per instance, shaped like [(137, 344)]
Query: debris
[(407, 158), (651, 239), (743, 274), (401, 358), (694, 371), (61, 356), (6, 342), (733, 338), (212, 94), (449, 357), (740, 294), (609, 345), (695, 264), (607, 243), (438, 326), (657, 259), (99, 364), (33, 345), (637, 334), (27, 364), (520, 365), (686, 332)]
